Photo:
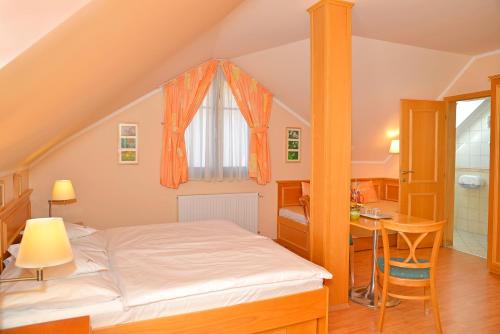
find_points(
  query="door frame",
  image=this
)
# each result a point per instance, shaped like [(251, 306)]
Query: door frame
[(450, 142)]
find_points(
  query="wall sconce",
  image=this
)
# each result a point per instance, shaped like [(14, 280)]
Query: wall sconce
[(394, 148), (62, 193)]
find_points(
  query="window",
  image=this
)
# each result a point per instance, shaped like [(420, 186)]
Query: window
[(217, 137)]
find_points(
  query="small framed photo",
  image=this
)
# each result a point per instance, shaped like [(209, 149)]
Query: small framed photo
[(293, 143), (128, 143), (2, 194)]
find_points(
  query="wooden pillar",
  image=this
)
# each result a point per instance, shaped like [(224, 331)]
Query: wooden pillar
[(331, 141)]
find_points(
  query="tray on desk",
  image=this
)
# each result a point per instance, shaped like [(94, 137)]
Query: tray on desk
[(377, 216)]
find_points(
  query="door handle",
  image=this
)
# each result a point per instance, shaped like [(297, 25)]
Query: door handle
[(403, 172)]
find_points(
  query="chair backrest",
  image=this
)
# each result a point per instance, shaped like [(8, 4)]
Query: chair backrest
[(412, 234)]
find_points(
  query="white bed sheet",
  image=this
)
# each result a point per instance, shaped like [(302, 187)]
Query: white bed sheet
[(167, 261), (113, 312), (295, 213), (175, 268)]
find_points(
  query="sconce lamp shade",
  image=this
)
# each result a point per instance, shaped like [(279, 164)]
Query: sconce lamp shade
[(44, 244), (63, 191), (394, 149)]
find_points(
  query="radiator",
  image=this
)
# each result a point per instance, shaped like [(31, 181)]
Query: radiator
[(240, 208)]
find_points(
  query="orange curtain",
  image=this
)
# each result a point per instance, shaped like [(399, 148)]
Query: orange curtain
[(183, 97), (255, 103)]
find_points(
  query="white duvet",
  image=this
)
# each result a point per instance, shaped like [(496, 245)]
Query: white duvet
[(166, 261)]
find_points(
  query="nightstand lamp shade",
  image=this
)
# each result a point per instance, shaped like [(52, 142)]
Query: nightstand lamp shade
[(63, 191), (394, 149), (44, 244)]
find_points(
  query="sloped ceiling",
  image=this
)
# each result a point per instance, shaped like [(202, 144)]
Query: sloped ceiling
[(391, 72), (60, 84), (460, 26), (24, 22), (109, 53)]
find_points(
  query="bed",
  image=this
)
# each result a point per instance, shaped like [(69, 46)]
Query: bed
[(292, 222), (203, 277)]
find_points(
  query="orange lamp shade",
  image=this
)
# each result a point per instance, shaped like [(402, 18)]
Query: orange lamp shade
[(63, 191)]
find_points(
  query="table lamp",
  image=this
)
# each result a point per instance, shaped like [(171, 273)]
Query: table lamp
[(394, 149), (44, 244), (62, 193)]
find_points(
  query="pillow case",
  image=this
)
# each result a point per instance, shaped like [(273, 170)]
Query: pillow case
[(366, 190), (75, 231), (62, 293), (94, 242), (306, 188), (88, 257)]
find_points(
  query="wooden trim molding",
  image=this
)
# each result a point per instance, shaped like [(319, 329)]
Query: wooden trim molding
[(494, 195), (468, 96), (450, 142), (331, 100)]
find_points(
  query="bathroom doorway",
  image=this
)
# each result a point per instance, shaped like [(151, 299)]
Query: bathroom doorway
[(472, 164)]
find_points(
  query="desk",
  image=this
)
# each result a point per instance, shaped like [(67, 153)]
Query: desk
[(366, 295)]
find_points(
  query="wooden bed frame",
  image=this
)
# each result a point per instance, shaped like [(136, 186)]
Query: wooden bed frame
[(13, 217), (295, 236), (305, 313)]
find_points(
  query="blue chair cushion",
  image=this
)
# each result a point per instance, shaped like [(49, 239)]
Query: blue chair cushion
[(409, 273)]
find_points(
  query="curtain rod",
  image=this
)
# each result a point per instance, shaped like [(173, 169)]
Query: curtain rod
[(191, 68)]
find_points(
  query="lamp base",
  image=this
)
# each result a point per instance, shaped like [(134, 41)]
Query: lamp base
[(39, 278), (59, 202)]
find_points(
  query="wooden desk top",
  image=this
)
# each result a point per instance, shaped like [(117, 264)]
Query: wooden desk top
[(374, 224)]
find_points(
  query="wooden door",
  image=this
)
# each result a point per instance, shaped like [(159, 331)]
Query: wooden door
[(422, 161), (494, 198)]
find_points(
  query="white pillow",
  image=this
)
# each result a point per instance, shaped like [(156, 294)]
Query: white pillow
[(75, 231), (62, 293), (84, 262), (94, 242)]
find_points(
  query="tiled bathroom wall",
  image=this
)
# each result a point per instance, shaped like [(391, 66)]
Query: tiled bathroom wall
[(473, 158), (471, 205)]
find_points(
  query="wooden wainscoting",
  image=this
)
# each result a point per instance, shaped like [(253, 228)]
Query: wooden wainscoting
[(295, 236), (387, 188)]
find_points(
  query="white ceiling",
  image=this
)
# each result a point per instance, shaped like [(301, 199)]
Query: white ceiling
[(461, 26)]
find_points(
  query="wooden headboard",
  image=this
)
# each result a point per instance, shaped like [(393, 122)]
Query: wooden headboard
[(13, 217), (289, 191)]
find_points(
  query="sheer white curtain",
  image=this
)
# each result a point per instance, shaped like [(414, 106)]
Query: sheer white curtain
[(217, 138)]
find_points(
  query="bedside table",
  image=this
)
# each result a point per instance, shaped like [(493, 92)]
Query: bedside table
[(80, 325)]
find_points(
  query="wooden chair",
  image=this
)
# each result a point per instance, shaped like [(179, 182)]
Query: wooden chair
[(410, 271)]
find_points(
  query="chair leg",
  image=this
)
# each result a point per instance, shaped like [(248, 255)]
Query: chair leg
[(426, 301), (382, 304), (435, 308), (351, 266)]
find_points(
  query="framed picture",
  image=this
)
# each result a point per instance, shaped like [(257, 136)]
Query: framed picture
[(293, 143), (128, 143), (2, 194)]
